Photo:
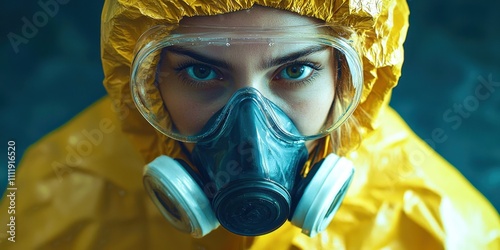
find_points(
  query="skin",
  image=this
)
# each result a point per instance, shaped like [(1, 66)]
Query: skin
[(196, 82)]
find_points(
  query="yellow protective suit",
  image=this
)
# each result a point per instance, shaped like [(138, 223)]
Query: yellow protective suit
[(80, 187)]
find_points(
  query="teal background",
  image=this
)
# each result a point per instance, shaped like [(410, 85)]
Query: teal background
[(450, 46)]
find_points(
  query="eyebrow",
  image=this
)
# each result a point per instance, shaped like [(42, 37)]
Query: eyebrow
[(205, 59), (180, 50), (294, 56)]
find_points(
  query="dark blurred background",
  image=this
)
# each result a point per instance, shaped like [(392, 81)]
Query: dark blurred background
[(451, 49)]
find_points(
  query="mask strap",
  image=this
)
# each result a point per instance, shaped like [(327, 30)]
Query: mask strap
[(320, 151), (186, 156), (326, 147)]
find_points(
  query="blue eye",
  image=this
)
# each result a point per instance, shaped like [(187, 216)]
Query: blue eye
[(295, 72), (201, 73)]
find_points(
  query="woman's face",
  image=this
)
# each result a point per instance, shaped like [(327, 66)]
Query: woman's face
[(197, 82)]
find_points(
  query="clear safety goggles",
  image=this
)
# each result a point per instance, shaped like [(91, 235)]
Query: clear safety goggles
[(183, 76)]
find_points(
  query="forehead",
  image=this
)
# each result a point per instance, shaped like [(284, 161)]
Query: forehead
[(257, 16), (273, 22)]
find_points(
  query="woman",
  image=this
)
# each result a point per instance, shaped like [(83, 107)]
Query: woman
[(267, 94)]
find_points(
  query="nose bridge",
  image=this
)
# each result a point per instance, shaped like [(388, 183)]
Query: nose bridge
[(249, 75), (247, 79), (247, 71)]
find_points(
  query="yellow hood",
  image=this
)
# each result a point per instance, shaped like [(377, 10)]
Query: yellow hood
[(382, 25)]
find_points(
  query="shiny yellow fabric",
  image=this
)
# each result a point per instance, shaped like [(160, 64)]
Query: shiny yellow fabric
[(80, 187)]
